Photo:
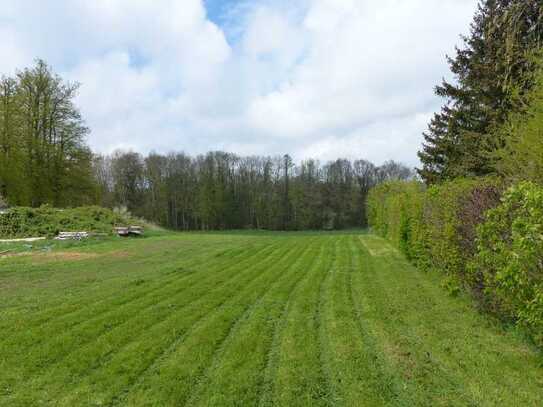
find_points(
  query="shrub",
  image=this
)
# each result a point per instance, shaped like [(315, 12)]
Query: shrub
[(452, 212), (509, 259), (435, 227), (47, 221), (485, 240), (395, 212)]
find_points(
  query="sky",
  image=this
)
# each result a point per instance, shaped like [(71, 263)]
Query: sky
[(320, 79)]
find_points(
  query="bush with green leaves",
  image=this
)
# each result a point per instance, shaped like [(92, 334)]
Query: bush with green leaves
[(452, 212), (47, 221), (509, 259), (483, 239), (434, 227)]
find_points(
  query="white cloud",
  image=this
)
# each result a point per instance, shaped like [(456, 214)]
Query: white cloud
[(367, 62), (320, 78), (11, 56)]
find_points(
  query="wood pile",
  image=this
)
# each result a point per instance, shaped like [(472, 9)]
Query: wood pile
[(72, 235)]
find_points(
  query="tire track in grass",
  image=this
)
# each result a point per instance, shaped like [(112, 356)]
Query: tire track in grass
[(171, 379), (421, 381), (355, 379), (112, 382), (156, 318), (293, 374), (379, 375), (447, 352), (236, 375), (322, 338), (135, 293)]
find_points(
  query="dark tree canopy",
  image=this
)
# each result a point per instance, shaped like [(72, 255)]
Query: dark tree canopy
[(493, 70)]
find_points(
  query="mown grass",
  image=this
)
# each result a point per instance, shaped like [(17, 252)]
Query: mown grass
[(252, 319)]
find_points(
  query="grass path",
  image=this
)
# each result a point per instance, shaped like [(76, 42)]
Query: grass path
[(249, 319)]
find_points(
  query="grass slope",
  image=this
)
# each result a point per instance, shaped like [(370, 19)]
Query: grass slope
[(252, 319)]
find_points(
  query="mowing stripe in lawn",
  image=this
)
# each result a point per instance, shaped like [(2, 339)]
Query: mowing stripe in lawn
[(351, 372), (109, 342), (293, 374), (274, 319), (238, 369), (171, 381), (81, 327), (157, 347), (322, 326), (380, 373), (160, 275)]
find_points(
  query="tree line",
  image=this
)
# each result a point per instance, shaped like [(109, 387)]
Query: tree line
[(44, 159), (221, 190)]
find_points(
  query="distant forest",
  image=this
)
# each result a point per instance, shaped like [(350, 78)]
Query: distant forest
[(44, 159), (223, 191)]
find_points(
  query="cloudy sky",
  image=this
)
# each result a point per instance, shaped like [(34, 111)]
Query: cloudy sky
[(313, 78)]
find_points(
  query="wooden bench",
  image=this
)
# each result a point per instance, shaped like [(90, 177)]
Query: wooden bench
[(129, 231)]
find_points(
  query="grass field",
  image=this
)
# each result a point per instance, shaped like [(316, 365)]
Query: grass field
[(249, 319)]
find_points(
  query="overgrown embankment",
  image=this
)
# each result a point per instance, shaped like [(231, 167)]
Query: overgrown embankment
[(47, 221), (485, 238)]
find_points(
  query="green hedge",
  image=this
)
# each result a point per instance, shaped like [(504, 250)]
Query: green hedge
[(434, 227), (395, 211), (46, 221), (485, 240), (509, 258)]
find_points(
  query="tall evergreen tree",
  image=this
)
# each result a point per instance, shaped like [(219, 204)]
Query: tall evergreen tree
[(492, 73)]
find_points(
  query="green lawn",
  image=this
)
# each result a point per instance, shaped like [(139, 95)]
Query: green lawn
[(248, 319)]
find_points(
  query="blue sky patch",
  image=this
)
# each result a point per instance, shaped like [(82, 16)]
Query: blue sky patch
[(218, 10)]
